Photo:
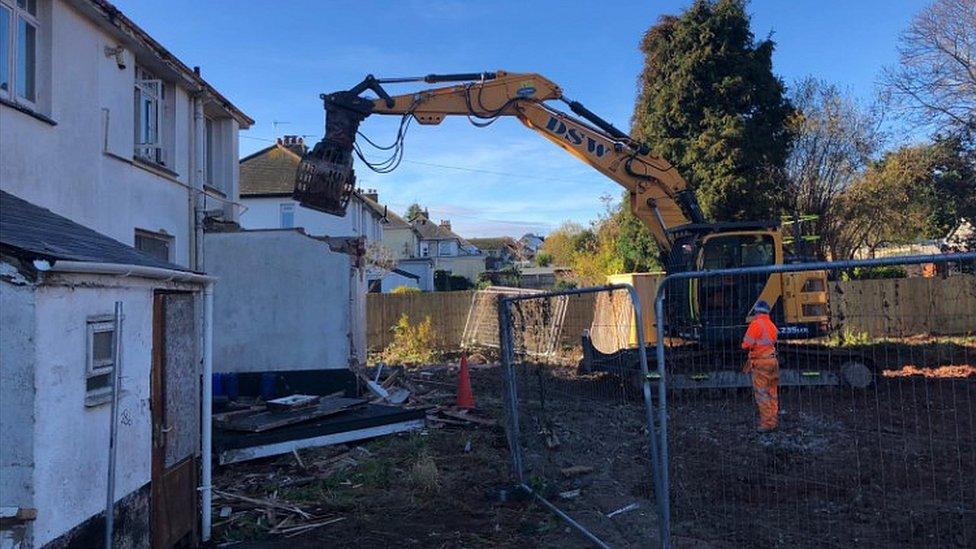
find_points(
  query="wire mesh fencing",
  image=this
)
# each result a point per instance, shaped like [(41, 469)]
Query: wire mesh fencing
[(863, 433), (579, 433)]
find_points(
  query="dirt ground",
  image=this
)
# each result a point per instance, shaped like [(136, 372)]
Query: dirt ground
[(892, 465), (420, 489)]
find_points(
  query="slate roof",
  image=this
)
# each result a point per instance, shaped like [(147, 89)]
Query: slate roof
[(269, 171), (493, 243), (33, 232), (428, 230)]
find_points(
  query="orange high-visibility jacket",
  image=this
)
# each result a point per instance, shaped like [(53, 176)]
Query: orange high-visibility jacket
[(760, 338)]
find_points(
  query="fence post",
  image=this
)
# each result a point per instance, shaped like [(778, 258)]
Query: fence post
[(656, 463), (507, 358), (662, 402)]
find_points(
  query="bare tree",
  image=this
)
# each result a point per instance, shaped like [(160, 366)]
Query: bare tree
[(835, 140), (935, 80)]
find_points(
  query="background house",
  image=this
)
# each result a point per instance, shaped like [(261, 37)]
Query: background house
[(267, 181), (530, 245), (500, 252), (110, 144), (451, 253)]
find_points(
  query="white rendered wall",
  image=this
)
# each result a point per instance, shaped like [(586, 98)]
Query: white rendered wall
[(79, 168), (265, 213), (283, 302), (71, 439)]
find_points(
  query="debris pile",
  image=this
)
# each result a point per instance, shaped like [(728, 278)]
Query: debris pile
[(277, 511)]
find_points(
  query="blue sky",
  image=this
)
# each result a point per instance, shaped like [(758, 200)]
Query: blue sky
[(273, 58)]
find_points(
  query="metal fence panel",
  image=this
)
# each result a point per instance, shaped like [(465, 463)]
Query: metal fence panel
[(581, 440), (876, 437)]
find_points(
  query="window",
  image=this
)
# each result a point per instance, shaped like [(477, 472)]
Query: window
[(100, 362), (208, 146), (727, 252), (18, 50), (148, 102), (158, 245), (287, 212), (445, 248), (424, 249)]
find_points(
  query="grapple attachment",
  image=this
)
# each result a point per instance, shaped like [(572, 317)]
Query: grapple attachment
[(325, 179)]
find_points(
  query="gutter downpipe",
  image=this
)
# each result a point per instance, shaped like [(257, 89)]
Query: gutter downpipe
[(206, 404), (206, 434), (199, 199), (114, 429)]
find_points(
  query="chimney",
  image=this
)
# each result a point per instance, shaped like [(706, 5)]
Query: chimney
[(446, 224), (372, 195), (293, 143)]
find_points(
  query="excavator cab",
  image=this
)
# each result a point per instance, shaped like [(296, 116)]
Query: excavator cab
[(713, 310)]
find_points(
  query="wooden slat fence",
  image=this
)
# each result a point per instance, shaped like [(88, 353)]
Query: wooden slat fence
[(902, 307), (879, 308)]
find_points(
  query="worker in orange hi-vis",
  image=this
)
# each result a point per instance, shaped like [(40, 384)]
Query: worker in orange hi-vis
[(762, 364)]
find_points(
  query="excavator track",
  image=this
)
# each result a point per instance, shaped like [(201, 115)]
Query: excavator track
[(692, 366)]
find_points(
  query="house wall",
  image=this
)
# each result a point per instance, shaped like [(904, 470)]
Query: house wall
[(468, 266), (16, 395), (265, 213), (283, 302), (424, 268), (70, 438), (392, 281), (401, 241), (82, 167)]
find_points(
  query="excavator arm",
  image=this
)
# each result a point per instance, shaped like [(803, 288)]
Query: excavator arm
[(659, 196)]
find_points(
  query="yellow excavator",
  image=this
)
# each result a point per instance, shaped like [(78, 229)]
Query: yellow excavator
[(706, 311)]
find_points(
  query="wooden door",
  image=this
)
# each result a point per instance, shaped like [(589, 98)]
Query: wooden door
[(174, 399)]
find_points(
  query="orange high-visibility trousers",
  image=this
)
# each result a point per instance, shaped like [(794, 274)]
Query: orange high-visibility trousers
[(765, 389)]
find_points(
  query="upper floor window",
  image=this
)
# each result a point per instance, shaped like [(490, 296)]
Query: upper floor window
[(446, 248), (18, 50), (209, 142), (287, 213), (149, 102)]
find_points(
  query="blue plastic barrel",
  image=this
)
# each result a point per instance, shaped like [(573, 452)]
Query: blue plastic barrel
[(231, 388), (218, 385), (269, 385)]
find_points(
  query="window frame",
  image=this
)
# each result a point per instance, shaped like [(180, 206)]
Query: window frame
[(209, 138), (283, 209), (142, 88), (167, 238), (16, 15), (98, 324)]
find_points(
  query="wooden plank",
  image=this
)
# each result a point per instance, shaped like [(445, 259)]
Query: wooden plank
[(265, 421)]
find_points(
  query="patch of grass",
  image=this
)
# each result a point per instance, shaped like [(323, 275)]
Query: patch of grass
[(424, 474), (248, 528), (377, 473)]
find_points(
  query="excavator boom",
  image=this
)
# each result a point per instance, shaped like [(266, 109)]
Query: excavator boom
[(659, 196)]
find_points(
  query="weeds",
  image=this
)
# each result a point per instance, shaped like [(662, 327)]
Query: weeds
[(424, 474), (849, 338), (412, 344)]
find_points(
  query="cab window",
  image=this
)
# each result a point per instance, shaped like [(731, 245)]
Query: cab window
[(731, 252)]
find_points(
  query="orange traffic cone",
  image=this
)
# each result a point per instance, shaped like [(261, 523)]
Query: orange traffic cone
[(465, 398)]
